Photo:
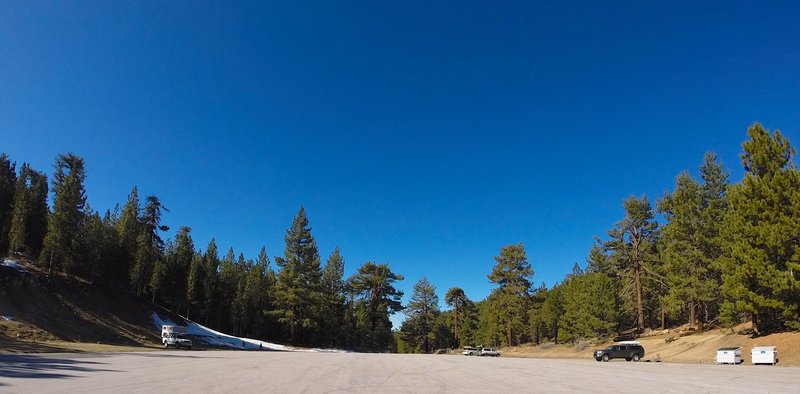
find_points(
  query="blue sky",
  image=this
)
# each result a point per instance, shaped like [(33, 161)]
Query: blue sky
[(422, 134)]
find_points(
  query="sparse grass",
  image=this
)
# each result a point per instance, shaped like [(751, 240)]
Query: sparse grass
[(547, 345)]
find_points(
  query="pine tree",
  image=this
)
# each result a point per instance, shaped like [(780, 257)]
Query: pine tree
[(632, 243), (128, 230), (61, 244), (589, 307), (8, 183), (419, 329), (762, 252), (456, 299), (377, 299), (150, 246), (298, 290), (689, 241), (195, 285), (179, 266), (210, 281), (513, 274), (333, 296)]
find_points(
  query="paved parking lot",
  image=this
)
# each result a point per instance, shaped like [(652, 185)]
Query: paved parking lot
[(236, 371)]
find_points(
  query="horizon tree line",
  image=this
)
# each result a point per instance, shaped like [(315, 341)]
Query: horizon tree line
[(725, 253)]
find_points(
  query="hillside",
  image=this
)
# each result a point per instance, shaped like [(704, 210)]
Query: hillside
[(695, 348), (36, 310)]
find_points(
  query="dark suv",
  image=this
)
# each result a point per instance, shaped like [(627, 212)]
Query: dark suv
[(628, 351)]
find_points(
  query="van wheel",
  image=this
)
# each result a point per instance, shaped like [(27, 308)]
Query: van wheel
[(166, 345), (605, 357), (636, 357)]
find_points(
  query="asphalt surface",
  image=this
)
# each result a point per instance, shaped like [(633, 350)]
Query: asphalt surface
[(288, 372)]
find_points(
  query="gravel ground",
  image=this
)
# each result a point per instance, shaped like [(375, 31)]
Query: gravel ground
[(246, 372)]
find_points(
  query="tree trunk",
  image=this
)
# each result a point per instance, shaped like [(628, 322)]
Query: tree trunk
[(509, 333), (455, 324), (637, 279), (692, 314)]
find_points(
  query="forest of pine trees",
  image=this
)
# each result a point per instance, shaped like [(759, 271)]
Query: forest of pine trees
[(718, 254)]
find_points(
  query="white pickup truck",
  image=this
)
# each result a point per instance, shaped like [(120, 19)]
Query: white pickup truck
[(175, 336)]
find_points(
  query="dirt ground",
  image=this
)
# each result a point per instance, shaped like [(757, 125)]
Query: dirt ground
[(697, 348)]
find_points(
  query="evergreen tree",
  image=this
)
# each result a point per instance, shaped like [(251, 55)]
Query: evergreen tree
[(8, 181), (178, 268), (333, 303), (456, 299), (150, 246), (689, 242), (298, 290), (29, 218), (762, 252), (195, 285), (588, 307), (419, 329), (210, 281), (377, 299), (633, 242), (128, 230), (62, 243), (513, 274)]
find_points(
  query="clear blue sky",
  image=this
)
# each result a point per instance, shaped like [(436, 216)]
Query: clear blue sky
[(422, 134)]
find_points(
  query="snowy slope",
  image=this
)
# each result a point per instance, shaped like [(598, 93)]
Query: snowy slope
[(215, 338)]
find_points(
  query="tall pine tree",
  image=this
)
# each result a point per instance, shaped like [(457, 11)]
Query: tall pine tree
[(513, 273), (8, 181), (298, 290), (762, 249), (62, 242)]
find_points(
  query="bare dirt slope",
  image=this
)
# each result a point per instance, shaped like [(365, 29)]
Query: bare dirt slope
[(695, 348), (43, 315)]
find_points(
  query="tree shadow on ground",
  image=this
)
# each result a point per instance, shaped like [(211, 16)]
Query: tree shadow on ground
[(36, 367)]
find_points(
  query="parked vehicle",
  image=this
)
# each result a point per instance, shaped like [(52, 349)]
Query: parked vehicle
[(489, 352), (471, 351), (629, 350), (175, 336), (729, 355)]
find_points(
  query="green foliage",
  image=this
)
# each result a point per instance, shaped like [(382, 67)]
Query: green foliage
[(633, 251), (589, 309), (374, 299), (299, 287), (332, 305), (513, 274), (8, 181), (422, 311), (62, 242), (690, 241), (29, 217), (762, 258)]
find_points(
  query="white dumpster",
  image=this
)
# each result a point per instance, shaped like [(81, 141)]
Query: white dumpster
[(764, 355), (729, 355)]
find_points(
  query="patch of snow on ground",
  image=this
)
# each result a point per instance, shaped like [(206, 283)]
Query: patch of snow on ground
[(13, 264)]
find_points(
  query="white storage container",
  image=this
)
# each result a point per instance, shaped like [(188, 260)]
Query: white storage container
[(764, 355), (729, 355)]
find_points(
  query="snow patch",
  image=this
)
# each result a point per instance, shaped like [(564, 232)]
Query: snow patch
[(13, 264), (216, 338)]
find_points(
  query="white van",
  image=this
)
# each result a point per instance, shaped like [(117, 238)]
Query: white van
[(175, 336)]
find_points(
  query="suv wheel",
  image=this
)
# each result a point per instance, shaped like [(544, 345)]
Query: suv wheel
[(605, 357), (598, 358), (636, 357)]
